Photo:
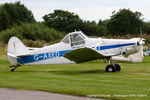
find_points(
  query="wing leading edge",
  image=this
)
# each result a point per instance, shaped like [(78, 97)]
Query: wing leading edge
[(83, 54)]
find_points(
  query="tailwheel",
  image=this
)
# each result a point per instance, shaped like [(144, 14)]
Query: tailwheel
[(118, 68), (110, 68), (13, 69)]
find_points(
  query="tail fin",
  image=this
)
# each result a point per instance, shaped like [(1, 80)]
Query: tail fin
[(15, 48)]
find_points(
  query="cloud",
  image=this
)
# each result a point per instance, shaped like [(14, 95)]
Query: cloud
[(86, 9), (94, 12)]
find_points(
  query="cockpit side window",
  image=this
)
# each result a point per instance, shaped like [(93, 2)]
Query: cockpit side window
[(66, 39), (76, 39)]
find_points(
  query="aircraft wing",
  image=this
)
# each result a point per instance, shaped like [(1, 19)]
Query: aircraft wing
[(83, 54)]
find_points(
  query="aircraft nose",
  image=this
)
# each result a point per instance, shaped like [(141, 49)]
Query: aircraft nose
[(141, 42)]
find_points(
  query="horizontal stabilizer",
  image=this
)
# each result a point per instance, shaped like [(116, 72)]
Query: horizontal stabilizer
[(11, 55), (21, 55)]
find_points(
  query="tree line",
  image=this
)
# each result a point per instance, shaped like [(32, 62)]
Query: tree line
[(124, 22), (16, 15)]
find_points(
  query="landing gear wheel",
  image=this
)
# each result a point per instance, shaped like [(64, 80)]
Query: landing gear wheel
[(14, 67), (110, 68), (12, 70), (118, 68)]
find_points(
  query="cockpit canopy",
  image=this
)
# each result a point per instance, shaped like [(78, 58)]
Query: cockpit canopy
[(75, 38)]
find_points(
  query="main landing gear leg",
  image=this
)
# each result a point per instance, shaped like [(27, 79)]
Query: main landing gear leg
[(111, 67), (13, 69)]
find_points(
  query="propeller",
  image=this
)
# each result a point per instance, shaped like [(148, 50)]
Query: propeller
[(142, 40)]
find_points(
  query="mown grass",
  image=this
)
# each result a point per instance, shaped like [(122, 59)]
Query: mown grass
[(81, 79)]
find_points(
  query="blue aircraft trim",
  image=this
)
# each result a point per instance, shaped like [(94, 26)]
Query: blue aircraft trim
[(51, 55), (113, 46), (42, 56)]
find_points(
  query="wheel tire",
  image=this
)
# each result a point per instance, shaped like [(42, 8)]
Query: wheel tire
[(110, 68), (118, 68), (12, 70)]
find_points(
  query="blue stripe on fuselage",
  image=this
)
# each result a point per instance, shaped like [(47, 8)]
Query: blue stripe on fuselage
[(42, 56), (113, 46), (51, 55)]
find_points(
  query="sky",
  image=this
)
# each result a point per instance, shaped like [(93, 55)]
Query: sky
[(91, 10)]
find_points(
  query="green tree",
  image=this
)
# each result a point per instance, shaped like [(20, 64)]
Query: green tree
[(4, 19), (102, 24), (14, 14), (91, 28), (124, 22), (146, 27), (62, 20), (18, 13)]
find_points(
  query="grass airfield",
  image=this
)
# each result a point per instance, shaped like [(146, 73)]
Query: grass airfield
[(85, 79)]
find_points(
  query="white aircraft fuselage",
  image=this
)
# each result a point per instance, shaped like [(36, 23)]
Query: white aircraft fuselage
[(76, 47)]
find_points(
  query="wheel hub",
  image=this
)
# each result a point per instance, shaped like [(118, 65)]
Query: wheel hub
[(110, 69)]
